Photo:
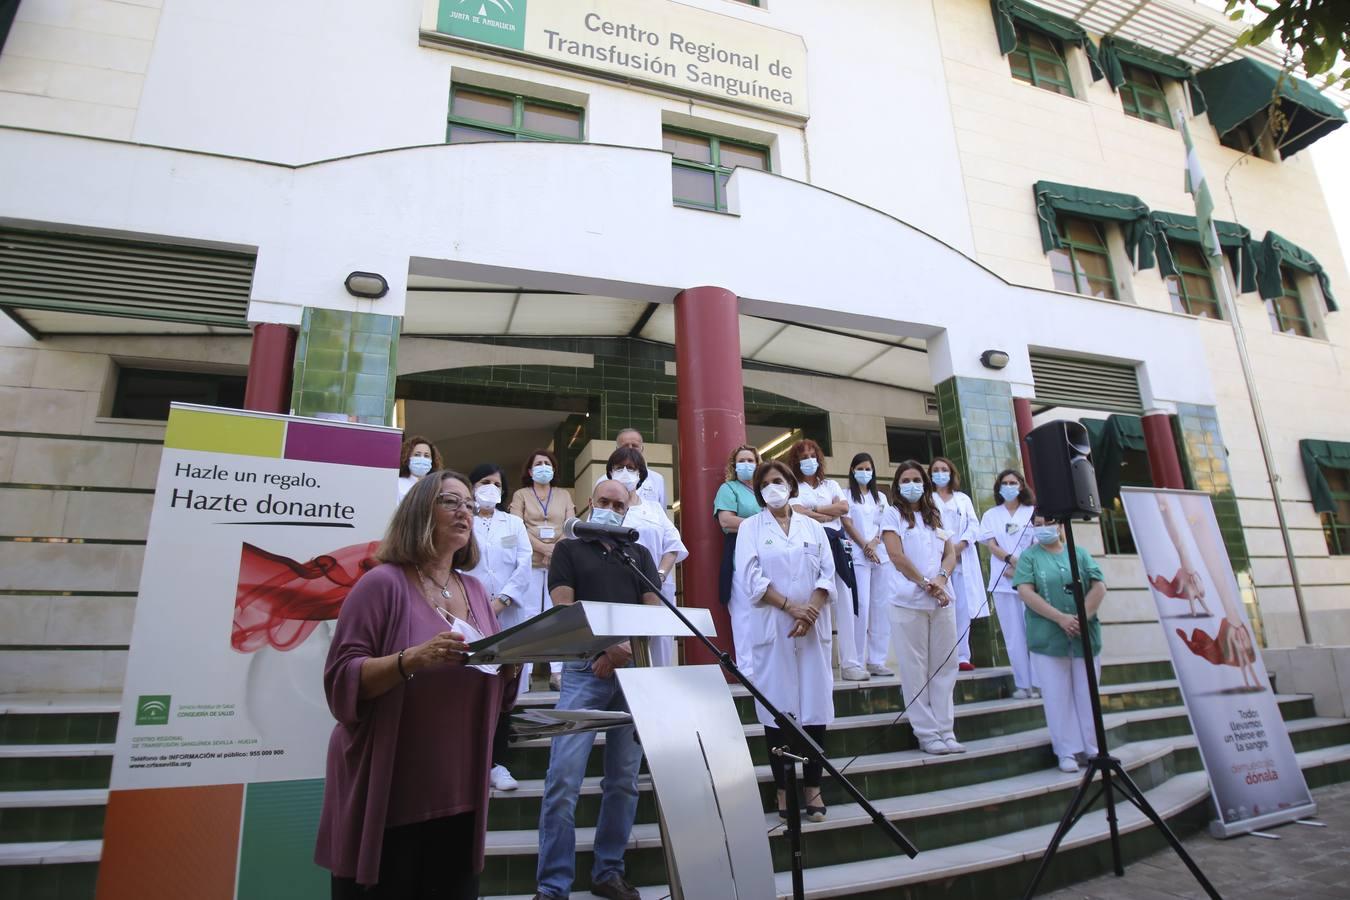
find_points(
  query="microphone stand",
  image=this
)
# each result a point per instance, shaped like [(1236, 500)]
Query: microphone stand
[(786, 723)]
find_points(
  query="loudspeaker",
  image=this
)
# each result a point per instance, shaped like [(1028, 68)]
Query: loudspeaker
[(1066, 483)]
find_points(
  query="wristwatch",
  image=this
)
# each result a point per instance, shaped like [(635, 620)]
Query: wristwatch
[(943, 573), (505, 600), (663, 573)]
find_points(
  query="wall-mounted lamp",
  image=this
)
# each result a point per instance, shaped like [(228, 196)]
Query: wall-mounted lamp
[(994, 359), (369, 285)]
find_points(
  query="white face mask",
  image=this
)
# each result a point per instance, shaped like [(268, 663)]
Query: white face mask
[(542, 474), (776, 495), (626, 477), (809, 466), (419, 465), (487, 495)]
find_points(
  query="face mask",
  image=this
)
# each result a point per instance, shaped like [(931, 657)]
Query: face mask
[(809, 466), (487, 495), (601, 516), (775, 495), (1009, 492), (626, 477), (744, 470), (912, 491), (942, 479), (863, 476), (419, 465), (542, 474), (1047, 534)]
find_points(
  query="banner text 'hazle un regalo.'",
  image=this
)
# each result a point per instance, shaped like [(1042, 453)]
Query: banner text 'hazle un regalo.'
[(664, 43)]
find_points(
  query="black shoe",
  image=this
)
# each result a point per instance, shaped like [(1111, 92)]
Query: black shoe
[(1082, 759), (615, 888)]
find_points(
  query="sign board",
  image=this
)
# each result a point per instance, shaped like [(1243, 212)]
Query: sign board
[(654, 42), (1254, 775), (260, 526)]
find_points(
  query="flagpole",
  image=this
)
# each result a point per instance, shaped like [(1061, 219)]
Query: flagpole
[(1213, 253)]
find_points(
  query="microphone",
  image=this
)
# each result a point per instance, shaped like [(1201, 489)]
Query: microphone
[(575, 528)]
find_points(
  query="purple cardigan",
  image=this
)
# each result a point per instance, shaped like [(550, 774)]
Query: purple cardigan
[(374, 621)]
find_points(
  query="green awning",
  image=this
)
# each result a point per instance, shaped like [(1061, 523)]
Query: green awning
[(1176, 227), (1116, 52), (1009, 13), (1275, 251), (1319, 455), (1109, 439), (1127, 209), (1239, 90)]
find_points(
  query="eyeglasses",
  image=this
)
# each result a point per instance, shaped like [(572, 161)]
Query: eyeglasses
[(452, 502)]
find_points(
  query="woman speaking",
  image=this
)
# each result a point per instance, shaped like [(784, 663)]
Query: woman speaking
[(405, 800)]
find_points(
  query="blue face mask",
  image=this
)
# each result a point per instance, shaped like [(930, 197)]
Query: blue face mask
[(809, 466), (745, 470), (911, 491), (1046, 534), (542, 474), (1009, 492), (863, 476), (941, 478), (419, 465), (601, 516)]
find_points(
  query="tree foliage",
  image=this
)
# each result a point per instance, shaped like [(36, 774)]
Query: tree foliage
[(1318, 30)]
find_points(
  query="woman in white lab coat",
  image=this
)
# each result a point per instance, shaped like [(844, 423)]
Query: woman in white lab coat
[(504, 569), (787, 574), (871, 568), (1006, 530), (962, 527), (655, 532)]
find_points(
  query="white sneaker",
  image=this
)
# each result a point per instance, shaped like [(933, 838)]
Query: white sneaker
[(854, 673), (1068, 764), (882, 671), (502, 780), (1021, 694), (938, 747), (954, 746)]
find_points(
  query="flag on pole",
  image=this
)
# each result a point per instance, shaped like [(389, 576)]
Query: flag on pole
[(1199, 190)]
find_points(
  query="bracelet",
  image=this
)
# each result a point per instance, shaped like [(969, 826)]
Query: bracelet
[(401, 670), (785, 604)]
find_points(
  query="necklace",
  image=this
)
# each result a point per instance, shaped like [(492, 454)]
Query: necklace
[(444, 588)]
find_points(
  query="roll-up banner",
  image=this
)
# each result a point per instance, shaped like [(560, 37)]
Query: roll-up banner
[(260, 526), (1254, 775)]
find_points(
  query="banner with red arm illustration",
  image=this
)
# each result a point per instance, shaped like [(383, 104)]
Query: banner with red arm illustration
[(1253, 771), (260, 527)]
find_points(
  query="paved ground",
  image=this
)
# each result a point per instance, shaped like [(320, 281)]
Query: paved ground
[(1312, 863)]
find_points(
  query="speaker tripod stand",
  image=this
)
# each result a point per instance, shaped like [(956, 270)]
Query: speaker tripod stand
[(1114, 779)]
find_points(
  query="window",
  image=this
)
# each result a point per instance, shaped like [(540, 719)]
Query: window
[(1142, 96), (1039, 60), (1192, 288), (1083, 264), (147, 393), (1287, 312), (1246, 136), (912, 443), (477, 114), (704, 162), (1336, 525)]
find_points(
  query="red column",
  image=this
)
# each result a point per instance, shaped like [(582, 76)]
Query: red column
[(710, 405), (270, 366), (1022, 412), (1163, 461)]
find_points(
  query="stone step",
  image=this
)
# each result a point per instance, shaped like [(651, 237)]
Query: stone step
[(36, 767)]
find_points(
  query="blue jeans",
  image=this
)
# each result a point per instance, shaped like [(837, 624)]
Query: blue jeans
[(567, 766)]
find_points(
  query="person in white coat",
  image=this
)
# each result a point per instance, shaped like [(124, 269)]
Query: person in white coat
[(418, 457), (962, 527), (787, 575), (923, 623), (1006, 530), (871, 568), (504, 569), (655, 532), (652, 489)]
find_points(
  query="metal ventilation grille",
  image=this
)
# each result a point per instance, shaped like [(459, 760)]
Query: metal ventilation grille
[(100, 276), (1086, 384)]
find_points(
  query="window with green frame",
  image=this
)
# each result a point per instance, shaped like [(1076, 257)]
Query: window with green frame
[(1336, 525), (1039, 60), (702, 164), (478, 114), (1287, 313), (1192, 288), (1082, 265), (1142, 96)]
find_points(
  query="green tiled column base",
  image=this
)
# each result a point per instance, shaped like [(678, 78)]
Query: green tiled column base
[(345, 364), (979, 433)]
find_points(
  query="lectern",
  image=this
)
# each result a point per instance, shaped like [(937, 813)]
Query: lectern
[(707, 798)]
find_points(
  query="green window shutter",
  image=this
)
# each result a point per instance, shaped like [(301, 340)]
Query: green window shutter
[(1239, 90), (1127, 209), (1316, 456), (76, 273), (1110, 438), (1086, 383), (1116, 52), (1274, 252), (1009, 13), (1177, 227)]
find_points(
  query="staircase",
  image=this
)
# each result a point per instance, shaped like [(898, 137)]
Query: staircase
[(980, 819)]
